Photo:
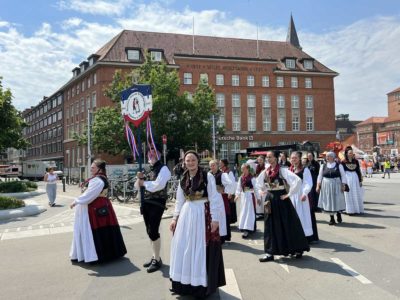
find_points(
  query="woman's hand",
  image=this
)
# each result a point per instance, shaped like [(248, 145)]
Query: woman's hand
[(214, 226), (236, 198), (73, 204), (283, 197), (343, 187), (318, 189), (172, 226), (303, 198)]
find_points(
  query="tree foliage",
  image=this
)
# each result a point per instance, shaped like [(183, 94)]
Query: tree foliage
[(11, 122), (186, 123)]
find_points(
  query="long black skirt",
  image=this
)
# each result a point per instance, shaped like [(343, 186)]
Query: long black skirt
[(283, 233)]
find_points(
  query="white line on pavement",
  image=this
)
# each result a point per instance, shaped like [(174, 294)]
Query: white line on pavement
[(351, 271), (7, 230), (283, 265), (231, 289)]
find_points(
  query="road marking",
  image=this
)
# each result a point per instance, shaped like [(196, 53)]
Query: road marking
[(351, 271), (231, 289), (283, 265), (41, 226), (62, 224)]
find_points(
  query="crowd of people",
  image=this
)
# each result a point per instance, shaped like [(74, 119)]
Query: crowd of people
[(286, 192)]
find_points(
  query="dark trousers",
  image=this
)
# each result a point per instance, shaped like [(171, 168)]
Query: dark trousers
[(152, 215)]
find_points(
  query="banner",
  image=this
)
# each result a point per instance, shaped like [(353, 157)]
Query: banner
[(137, 104)]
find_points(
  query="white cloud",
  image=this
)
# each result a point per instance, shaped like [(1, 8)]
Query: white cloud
[(96, 7), (364, 53), (4, 24)]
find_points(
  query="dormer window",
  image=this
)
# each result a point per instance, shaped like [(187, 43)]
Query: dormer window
[(76, 71), (156, 55), (290, 63), (308, 64), (133, 54)]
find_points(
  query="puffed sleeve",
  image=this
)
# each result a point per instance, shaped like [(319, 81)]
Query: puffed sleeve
[(180, 200), (94, 189), (232, 188), (342, 174), (239, 187), (320, 174), (160, 182), (227, 183), (217, 208), (260, 181), (307, 182), (292, 179)]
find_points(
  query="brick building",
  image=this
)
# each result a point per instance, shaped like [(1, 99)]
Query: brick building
[(382, 134), (267, 92)]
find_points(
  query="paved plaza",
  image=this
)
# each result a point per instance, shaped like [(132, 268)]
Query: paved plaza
[(358, 259)]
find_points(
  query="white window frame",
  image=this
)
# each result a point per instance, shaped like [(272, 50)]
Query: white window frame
[(219, 79), (250, 80), (308, 64), (187, 78), (265, 81), (281, 118), (133, 54), (308, 83), (310, 120), (280, 101), (295, 101), (220, 101), (309, 102), (236, 112), (235, 80), (266, 109), (290, 63), (294, 82), (156, 55), (280, 83), (204, 77), (295, 119)]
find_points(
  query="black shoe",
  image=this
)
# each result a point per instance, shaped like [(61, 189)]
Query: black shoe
[(339, 217), (147, 264), (266, 258), (154, 266), (53, 204), (332, 221), (299, 255), (245, 235)]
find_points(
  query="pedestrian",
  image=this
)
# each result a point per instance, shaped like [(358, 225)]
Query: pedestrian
[(154, 202), (354, 198), (247, 193), (386, 168), (363, 167), (196, 263), (370, 166), (283, 161), (97, 236), (229, 193), (330, 186), (51, 186), (222, 180), (313, 166), (283, 233), (300, 198), (260, 204)]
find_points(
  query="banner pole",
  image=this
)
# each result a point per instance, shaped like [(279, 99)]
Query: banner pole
[(140, 168)]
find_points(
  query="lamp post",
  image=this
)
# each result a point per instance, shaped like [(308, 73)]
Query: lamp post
[(69, 166)]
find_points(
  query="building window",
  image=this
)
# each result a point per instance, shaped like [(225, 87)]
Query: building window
[(290, 63), (94, 104), (187, 78), (279, 81), (156, 55), (309, 119), (308, 64), (88, 102), (59, 100), (266, 106), (204, 78), (295, 119), (83, 105), (133, 54), (235, 80), (265, 81), (294, 82), (281, 119), (94, 78), (88, 82), (251, 112), (280, 101), (253, 144), (221, 109), (223, 151), (250, 80), (236, 112), (308, 83), (189, 96), (309, 102), (295, 101), (78, 89), (77, 108), (59, 115), (219, 79)]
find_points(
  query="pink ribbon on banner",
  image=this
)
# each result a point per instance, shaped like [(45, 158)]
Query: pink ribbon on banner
[(150, 138), (131, 140)]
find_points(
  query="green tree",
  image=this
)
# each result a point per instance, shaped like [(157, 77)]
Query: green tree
[(11, 122)]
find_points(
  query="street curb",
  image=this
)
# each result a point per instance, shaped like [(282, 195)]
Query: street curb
[(26, 211), (24, 194)]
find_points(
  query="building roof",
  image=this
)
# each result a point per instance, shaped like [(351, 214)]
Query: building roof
[(394, 91), (174, 45), (373, 120), (292, 37)]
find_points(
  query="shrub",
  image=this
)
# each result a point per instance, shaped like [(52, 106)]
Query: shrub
[(17, 186), (10, 202)]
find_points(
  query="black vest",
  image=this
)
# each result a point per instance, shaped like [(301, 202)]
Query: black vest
[(151, 176), (331, 173), (218, 178)]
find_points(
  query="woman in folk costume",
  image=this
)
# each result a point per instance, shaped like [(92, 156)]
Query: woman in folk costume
[(246, 190), (283, 233), (229, 192), (354, 198), (196, 263), (97, 236), (300, 199), (260, 204), (221, 180), (330, 186)]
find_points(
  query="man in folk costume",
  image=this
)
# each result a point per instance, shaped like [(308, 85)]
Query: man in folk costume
[(155, 198)]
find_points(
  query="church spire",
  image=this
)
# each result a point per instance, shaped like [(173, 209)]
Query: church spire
[(292, 34)]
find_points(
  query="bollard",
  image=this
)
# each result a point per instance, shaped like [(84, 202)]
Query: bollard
[(63, 183)]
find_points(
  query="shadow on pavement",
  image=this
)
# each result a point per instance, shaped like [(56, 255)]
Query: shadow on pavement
[(369, 215), (373, 209), (382, 203), (354, 225), (119, 267), (337, 247), (310, 262)]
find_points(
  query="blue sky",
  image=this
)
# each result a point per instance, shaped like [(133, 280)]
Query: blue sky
[(42, 41)]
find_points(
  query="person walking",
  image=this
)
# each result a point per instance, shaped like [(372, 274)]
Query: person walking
[(283, 233), (196, 262), (97, 236), (386, 168), (246, 191), (153, 206), (229, 193), (260, 204), (330, 186), (51, 186), (370, 166)]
